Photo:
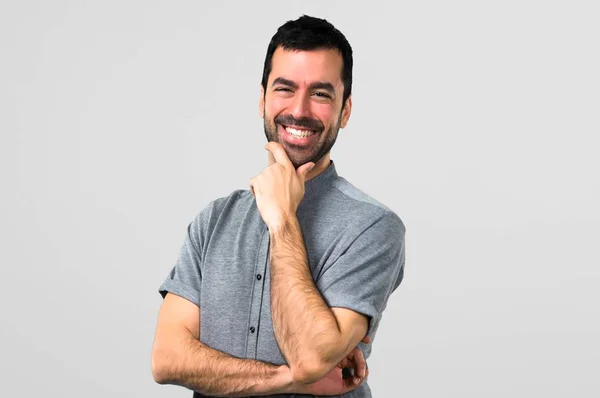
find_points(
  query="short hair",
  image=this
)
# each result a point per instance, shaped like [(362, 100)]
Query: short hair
[(310, 33)]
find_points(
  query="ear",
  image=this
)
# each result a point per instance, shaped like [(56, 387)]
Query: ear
[(261, 102), (346, 112)]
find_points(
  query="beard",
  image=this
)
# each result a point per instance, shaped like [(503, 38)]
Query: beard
[(300, 155)]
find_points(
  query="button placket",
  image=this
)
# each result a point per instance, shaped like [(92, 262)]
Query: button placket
[(257, 296)]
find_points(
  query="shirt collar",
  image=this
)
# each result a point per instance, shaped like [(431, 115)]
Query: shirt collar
[(321, 182)]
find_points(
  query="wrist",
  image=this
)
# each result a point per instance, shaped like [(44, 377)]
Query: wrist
[(283, 224)]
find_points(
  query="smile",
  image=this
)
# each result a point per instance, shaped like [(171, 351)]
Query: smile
[(298, 132)]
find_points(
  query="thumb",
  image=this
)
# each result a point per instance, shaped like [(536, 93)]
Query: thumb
[(303, 170)]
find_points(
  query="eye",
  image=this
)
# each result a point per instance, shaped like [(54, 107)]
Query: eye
[(322, 94), (286, 89)]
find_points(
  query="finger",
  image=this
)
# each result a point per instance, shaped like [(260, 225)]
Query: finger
[(303, 171), (352, 383), (360, 363), (279, 153), (367, 339), (350, 355), (360, 380), (252, 186), (344, 363)]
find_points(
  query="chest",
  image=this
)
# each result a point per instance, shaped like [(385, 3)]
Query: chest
[(235, 287)]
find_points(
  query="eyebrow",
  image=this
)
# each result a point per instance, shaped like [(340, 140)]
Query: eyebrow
[(313, 86)]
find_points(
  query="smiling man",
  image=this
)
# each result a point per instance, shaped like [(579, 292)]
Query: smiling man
[(280, 287)]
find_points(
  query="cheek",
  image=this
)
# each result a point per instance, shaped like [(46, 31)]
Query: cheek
[(275, 106), (325, 114)]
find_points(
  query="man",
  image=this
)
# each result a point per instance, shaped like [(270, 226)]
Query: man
[(279, 287)]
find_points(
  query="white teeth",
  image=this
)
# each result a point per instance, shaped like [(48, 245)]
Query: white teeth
[(299, 133)]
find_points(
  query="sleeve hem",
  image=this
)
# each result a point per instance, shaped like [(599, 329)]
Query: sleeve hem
[(360, 307), (172, 286)]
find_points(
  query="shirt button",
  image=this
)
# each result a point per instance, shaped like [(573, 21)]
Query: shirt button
[(252, 330), (258, 276)]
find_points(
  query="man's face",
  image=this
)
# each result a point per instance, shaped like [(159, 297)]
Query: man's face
[(302, 106)]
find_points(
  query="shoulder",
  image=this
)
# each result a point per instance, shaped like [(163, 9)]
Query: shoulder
[(365, 211), (237, 201)]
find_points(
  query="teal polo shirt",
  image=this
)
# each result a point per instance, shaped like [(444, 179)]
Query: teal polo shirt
[(355, 247)]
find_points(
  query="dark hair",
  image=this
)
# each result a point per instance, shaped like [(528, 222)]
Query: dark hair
[(310, 33)]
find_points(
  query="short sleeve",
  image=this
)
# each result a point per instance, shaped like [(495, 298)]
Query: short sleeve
[(185, 278), (363, 277)]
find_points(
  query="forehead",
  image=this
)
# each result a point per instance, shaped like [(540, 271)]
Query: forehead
[(323, 65)]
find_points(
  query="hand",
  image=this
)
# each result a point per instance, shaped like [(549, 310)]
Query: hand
[(279, 188), (355, 360), (333, 383)]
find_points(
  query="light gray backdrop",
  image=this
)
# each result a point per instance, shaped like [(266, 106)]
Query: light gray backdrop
[(477, 122)]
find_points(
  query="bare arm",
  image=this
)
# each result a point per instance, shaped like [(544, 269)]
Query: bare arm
[(178, 357), (312, 337)]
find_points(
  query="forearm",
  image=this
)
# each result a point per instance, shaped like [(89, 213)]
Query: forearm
[(211, 372), (305, 328)]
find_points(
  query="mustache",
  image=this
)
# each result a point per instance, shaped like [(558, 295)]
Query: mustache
[(305, 122)]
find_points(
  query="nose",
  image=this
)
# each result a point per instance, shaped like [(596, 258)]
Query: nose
[(301, 106)]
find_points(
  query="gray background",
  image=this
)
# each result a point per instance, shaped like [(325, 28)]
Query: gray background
[(477, 122)]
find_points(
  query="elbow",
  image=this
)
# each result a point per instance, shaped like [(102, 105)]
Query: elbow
[(158, 373), (159, 367)]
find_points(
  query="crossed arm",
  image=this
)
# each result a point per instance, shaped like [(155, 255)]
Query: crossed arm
[(178, 357), (312, 337)]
